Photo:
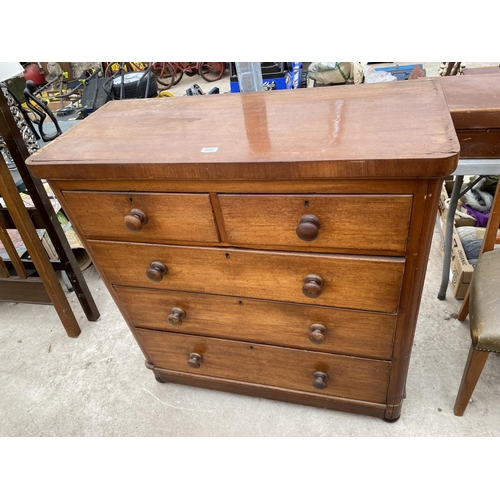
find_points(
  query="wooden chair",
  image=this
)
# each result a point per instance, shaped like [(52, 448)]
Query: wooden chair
[(16, 282), (482, 304), (484, 324)]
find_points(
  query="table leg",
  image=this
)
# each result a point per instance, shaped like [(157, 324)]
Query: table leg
[(445, 278)]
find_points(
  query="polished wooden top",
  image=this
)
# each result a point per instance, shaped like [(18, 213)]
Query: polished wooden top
[(473, 100), (374, 130)]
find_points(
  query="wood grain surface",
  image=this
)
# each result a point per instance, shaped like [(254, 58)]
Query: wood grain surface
[(170, 217), (303, 186), (31, 290), (313, 213), (477, 143), (4, 272), (317, 399), (346, 222), (378, 130), (367, 283), (473, 100), (348, 376), (347, 332)]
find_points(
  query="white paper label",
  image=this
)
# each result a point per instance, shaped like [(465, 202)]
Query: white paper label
[(209, 150)]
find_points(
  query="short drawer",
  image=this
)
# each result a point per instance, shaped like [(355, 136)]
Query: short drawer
[(367, 283), (343, 222), (144, 216), (314, 372), (324, 329)]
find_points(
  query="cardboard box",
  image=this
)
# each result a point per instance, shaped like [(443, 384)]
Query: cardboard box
[(460, 268), (54, 105), (443, 196)]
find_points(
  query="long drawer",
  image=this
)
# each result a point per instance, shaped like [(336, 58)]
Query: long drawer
[(367, 283), (313, 372), (278, 323), (144, 216), (343, 222)]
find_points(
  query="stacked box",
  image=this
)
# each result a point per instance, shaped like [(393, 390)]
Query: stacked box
[(460, 268)]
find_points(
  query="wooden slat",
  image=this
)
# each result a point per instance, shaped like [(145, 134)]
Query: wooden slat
[(19, 152), (4, 272), (32, 212), (35, 248), (30, 266), (31, 290), (12, 252)]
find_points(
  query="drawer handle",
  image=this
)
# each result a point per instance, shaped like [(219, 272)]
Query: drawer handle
[(318, 333), (312, 286), (135, 220), (308, 228), (176, 316), (195, 360), (320, 380), (156, 271)]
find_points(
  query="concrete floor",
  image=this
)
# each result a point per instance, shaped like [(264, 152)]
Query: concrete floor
[(97, 385)]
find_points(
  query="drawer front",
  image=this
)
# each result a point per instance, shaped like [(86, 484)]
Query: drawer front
[(277, 323), (371, 284), (347, 377), (168, 217), (343, 222)]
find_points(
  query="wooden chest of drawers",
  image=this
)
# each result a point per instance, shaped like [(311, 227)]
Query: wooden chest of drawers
[(272, 244)]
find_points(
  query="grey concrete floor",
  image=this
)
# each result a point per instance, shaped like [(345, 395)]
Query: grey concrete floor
[(97, 385)]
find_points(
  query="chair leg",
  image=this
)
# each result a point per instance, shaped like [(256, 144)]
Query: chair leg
[(473, 368)]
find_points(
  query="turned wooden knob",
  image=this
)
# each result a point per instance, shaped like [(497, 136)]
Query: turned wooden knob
[(320, 380), (156, 271), (195, 360), (312, 286), (318, 333), (135, 220), (176, 316), (308, 228)]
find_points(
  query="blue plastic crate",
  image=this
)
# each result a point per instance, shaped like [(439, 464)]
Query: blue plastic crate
[(281, 83), (282, 80), (400, 72)]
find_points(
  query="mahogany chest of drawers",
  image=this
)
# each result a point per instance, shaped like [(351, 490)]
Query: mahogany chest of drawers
[(272, 244)]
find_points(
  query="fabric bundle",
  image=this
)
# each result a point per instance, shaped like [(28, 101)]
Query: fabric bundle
[(472, 240), (479, 200)]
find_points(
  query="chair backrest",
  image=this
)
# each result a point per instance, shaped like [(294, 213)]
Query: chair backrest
[(28, 132), (450, 68), (17, 285), (17, 280), (41, 109)]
